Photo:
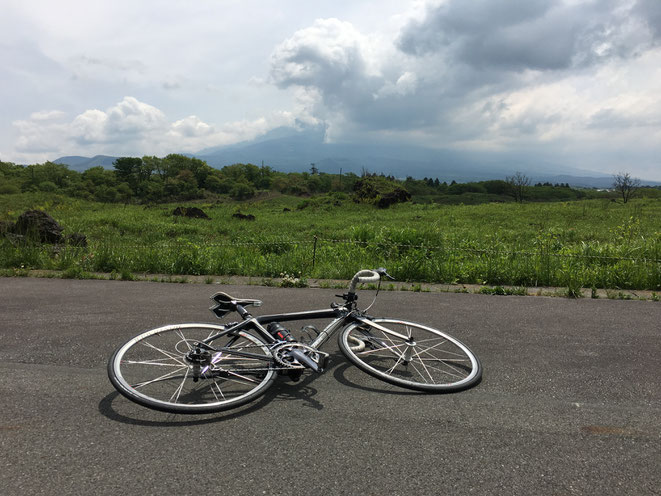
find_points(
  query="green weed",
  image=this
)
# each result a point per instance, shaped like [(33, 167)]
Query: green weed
[(577, 244)]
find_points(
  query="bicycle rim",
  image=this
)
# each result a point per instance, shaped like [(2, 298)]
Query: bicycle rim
[(151, 369), (413, 355)]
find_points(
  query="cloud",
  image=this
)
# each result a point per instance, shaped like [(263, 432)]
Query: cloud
[(128, 121), (650, 11), (518, 35), (486, 72), (130, 127), (352, 77), (327, 56), (189, 127), (532, 75)]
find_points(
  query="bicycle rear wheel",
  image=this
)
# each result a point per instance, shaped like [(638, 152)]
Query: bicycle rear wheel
[(155, 369), (410, 355)]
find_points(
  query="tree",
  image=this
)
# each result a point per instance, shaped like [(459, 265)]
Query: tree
[(242, 191), (519, 182), (625, 185)]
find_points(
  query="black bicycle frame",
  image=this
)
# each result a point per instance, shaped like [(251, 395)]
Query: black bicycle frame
[(340, 315)]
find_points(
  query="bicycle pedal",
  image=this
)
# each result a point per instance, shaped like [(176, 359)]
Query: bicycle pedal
[(295, 375)]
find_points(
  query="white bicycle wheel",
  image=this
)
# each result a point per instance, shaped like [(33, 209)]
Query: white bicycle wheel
[(155, 369), (410, 355)]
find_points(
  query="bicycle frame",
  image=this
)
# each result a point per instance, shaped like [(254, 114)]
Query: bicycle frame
[(341, 316)]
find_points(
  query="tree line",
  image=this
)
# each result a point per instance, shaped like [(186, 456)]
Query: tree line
[(171, 178), (178, 177)]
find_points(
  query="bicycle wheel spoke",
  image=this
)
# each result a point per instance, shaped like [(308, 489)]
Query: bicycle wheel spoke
[(384, 348), (393, 367), (183, 338), (459, 373), (419, 373), (444, 351), (412, 355), (426, 370), (391, 341), (161, 378), (387, 357), (214, 383), (242, 377), (177, 391), (167, 354), (156, 361), (156, 369)]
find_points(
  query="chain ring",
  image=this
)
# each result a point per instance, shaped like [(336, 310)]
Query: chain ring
[(280, 354)]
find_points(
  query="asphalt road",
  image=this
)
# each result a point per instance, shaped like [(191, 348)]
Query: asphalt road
[(570, 402)]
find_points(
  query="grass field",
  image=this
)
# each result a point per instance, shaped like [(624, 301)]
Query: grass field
[(589, 243)]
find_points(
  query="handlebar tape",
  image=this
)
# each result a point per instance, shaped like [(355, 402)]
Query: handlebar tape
[(363, 276)]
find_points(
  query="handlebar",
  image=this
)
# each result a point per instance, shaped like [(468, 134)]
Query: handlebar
[(367, 275)]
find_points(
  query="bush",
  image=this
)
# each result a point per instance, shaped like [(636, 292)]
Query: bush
[(9, 189), (47, 186), (242, 191)]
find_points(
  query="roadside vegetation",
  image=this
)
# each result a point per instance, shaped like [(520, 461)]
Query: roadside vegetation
[(589, 243), (259, 222)]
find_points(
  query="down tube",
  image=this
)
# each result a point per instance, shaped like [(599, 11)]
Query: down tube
[(329, 330)]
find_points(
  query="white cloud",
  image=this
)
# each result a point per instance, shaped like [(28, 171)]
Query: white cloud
[(325, 55), (130, 127), (189, 127), (554, 76), (47, 115)]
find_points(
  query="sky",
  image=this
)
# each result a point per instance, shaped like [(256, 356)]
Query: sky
[(576, 82)]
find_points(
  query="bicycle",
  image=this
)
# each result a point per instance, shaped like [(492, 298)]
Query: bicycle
[(205, 368)]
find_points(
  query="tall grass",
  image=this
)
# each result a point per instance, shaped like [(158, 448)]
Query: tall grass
[(591, 243)]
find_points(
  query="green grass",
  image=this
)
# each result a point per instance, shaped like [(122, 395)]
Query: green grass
[(589, 243)]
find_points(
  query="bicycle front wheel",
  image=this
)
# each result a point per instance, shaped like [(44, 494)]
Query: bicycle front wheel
[(410, 355), (156, 369)]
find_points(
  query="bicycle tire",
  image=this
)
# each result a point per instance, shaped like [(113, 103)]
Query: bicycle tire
[(428, 360), (151, 370)]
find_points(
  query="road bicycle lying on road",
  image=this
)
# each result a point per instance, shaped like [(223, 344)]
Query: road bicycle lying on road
[(203, 368)]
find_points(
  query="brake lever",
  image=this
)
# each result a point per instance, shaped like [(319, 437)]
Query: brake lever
[(382, 272)]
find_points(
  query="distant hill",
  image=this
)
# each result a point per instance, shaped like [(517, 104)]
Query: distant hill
[(83, 163), (290, 150)]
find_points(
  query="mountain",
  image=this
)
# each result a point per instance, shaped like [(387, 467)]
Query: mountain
[(83, 163), (289, 150)]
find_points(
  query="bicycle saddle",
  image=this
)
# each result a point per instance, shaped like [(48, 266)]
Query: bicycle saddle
[(227, 303)]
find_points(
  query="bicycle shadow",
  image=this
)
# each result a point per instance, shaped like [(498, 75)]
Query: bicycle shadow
[(282, 390), (340, 376)]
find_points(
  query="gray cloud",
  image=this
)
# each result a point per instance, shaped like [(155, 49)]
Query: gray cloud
[(364, 91), (487, 74), (650, 11), (516, 35), (458, 53)]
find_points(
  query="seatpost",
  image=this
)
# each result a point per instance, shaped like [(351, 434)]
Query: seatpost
[(245, 314)]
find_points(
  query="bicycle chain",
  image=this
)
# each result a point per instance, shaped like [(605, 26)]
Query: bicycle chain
[(272, 347)]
